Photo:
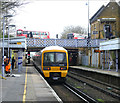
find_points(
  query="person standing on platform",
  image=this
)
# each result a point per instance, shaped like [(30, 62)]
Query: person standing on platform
[(7, 66), (31, 35), (5, 61), (13, 61)]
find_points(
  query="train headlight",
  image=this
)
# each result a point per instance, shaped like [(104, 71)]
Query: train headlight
[(46, 68), (63, 68)]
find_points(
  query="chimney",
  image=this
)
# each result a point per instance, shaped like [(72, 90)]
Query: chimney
[(119, 2), (112, 0)]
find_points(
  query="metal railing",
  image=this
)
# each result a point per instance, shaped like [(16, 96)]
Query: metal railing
[(17, 42), (32, 42)]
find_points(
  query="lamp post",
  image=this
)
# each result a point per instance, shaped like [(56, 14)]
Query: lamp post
[(9, 56), (8, 36), (3, 69), (88, 40), (88, 20)]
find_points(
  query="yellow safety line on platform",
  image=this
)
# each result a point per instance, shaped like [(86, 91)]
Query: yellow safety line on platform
[(3, 77), (24, 95)]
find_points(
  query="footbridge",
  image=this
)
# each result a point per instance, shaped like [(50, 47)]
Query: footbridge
[(20, 44), (33, 43)]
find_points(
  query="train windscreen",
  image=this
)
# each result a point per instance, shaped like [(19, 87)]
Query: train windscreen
[(55, 59)]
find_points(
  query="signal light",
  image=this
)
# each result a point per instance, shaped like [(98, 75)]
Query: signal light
[(46, 68), (63, 68)]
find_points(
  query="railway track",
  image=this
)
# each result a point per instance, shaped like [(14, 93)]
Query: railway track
[(86, 98), (104, 87), (103, 83), (70, 94), (99, 86)]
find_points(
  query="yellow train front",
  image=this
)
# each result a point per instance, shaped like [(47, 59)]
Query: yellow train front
[(53, 62)]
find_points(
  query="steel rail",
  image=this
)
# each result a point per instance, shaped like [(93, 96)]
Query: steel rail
[(86, 98), (95, 87), (115, 87), (78, 93)]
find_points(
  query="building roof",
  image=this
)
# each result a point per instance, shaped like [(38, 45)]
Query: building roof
[(96, 15), (119, 3)]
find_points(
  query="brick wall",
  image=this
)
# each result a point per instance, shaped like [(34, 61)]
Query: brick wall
[(112, 10)]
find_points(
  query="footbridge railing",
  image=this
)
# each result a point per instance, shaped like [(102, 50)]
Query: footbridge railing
[(35, 43), (32, 42), (17, 42)]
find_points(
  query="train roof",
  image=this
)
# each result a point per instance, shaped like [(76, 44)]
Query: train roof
[(53, 48)]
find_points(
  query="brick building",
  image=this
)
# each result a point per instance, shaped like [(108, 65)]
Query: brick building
[(105, 23)]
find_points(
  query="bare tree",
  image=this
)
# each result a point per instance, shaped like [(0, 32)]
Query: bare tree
[(73, 29), (8, 7)]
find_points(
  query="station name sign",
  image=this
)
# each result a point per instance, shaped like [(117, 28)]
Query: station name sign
[(18, 43)]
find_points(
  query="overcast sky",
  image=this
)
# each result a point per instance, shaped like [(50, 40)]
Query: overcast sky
[(53, 16)]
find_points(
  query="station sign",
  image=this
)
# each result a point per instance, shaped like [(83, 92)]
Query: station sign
[(94, 32), (19, 43)]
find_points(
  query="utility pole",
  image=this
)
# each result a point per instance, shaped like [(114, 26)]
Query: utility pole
[(88, 41), (3, 69), (88, 20)]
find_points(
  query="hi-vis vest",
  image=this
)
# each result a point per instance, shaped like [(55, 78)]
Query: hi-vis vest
[(7, 68)]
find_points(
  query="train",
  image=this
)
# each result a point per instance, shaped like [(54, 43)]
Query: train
[(53, 62)]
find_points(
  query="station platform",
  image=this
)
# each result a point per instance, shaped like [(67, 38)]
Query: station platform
[(104, 71), (112, 77), (26, 86)]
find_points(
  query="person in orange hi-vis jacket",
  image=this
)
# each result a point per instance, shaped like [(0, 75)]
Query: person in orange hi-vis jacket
[(7, 67)]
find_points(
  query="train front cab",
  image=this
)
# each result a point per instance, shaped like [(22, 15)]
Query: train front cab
[(55, 70)]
